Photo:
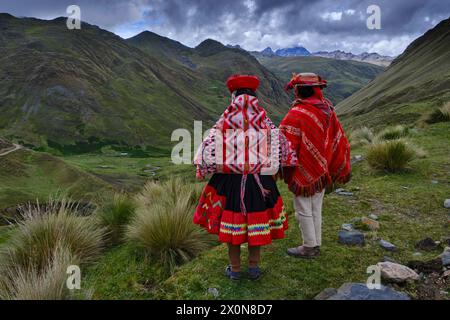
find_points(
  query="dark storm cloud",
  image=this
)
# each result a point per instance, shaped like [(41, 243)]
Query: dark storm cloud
[(255, 24)]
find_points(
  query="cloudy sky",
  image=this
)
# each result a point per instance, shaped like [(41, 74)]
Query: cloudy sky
[(256, 24)]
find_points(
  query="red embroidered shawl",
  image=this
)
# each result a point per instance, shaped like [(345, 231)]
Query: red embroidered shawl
[(243, 115), (322, 148)]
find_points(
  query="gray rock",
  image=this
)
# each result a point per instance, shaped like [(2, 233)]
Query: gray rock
[(373, 217), (445, 257), (394, 272), (351, 237), (417, 254), (359, 291), (343, 192), (447, 203), (347, 227), (326, 294), (214, 292), (387, 245)]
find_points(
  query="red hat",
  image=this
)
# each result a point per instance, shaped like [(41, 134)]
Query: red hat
[(306, 79), (238, 81)]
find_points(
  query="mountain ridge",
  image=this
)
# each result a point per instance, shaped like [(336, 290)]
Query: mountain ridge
[(415, 83)]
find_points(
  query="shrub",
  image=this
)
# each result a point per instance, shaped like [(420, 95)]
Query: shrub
[(439, 115), (49, 283), (114, 213), (164, 228), (392, 133), (153, 192), (43, 229), (361, 137), (392, 156)]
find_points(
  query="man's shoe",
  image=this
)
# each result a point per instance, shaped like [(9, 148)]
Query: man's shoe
[(303, 252), (317, 250)]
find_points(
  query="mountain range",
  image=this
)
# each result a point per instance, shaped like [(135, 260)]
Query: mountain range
[(415, 83), (344, 77), (373, 57), (78, 90)]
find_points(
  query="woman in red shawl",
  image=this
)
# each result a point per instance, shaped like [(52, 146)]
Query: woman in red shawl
[(323, 153), (241, 202)]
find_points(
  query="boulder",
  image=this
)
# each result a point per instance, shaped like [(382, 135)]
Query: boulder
[(397, 273), (351, 237), (360, 291), (373, 217)]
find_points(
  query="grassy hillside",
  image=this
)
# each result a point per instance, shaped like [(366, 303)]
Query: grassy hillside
[(344, 77), (26, 175), (78, 90), (416, 82), (209, 65)]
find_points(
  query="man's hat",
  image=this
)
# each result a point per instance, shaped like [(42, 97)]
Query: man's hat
[(238, 81), (307, 80)]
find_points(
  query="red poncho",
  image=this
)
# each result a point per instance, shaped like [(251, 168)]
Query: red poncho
[(322, 148)]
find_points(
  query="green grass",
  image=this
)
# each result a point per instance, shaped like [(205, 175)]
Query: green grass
[(129, 173)]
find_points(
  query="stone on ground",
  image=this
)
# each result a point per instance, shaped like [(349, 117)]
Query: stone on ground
[(427, 267), (387, 245), (445, 257), (347, 227), (394, 272), (360, 291), (351, 237), (427, 244), (447, 203), (371, 224)]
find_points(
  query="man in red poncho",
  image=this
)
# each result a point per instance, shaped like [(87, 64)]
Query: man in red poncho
[(323, 153)]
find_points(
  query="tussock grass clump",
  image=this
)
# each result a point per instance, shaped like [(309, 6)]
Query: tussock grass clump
[(362, 136), (163, 224), (43, 229), (45, 242), (49, 283), (392, 133), (439, 115), (391, 156), (114, 213)]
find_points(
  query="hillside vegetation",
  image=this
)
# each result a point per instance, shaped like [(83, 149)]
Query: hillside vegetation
[(417, 81)]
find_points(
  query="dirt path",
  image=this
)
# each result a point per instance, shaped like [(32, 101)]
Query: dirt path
[(15, 148)]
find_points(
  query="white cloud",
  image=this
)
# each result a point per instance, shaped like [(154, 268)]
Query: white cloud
[(331, 16)]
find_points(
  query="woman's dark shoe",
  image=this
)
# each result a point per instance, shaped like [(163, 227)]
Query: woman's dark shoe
[(254, 273), (235, 276), (303, 252)]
